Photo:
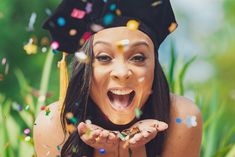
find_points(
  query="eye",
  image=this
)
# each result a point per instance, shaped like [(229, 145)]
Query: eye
[(138, 58), (103, 58)]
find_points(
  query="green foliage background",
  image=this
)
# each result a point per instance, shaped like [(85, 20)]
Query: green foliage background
[(215, 97)]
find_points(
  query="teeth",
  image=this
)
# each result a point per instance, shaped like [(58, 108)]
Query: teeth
[(121, 92)]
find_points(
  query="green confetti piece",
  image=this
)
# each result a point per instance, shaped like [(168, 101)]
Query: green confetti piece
[(138, 113), (47, 112), (58, 147), (73, 120)]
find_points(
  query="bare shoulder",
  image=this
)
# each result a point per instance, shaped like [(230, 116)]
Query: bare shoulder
[(47, 133), (185, 129)]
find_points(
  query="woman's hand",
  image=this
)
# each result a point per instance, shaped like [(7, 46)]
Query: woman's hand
[(98, 137), (141, 133)]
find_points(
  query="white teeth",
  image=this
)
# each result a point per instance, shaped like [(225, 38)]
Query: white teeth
[(121, 92)]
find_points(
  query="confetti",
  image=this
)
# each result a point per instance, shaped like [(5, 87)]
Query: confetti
[(58, 148), (96, 27), (54, 45), (191, 121), (88, 8), (4, 61), (86, 36), (178, 120), (27, 138), (43, 108), (108, 19), (122, 136), (72, 32), (30, 48), (102, 151), (44, 41), (113, 7), (69, 115), (121, 45), (138, 113), (82, 57), (88, 121), (32, 21), (118, 12), (71, 128), (154, 4), (26, 131), (61, 21), (132, 24), (55, 52), (172, 27), (77, 13), (48, 111), (27, 107), (16, 106), (74, 149), (141, 79), (44, 49), (48, 11)]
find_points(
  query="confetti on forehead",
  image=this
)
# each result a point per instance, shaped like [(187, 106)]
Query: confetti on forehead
[(121, 45)]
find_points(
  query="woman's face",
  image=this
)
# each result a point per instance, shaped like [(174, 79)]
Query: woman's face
[(123, 72)]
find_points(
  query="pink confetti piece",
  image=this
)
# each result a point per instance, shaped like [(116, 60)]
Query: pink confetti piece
[(77, 13)]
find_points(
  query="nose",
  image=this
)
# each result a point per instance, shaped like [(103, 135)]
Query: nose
[(121, 73)]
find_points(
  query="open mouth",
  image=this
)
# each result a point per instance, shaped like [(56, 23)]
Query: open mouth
[(120, 99)]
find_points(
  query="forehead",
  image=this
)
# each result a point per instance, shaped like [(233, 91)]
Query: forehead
[(115, 34)]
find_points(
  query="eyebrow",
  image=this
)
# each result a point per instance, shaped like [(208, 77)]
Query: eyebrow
[(131, 45)]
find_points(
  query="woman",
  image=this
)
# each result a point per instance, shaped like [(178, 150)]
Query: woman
[(123, 76)]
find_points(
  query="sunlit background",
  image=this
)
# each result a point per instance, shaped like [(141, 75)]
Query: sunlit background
[(198, 59)]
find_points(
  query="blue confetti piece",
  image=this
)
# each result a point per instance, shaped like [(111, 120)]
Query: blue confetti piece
[(108, 19), (113, 7), (178, 120), (102, 151), (61, 21)]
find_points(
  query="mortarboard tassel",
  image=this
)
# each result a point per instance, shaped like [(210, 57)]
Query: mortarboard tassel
[(63, 78)]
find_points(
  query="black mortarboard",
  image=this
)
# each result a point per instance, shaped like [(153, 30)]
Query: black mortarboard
[(75, 20)]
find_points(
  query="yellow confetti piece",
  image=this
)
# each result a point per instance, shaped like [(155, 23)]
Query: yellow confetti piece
[(30, 48), (70, 128), (121, 45), (132, 24), (172, 27)]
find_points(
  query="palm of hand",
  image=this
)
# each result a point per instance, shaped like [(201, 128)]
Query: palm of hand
[(136, 136)]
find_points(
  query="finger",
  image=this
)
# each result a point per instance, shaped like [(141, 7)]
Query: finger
[(102, 138), (136, 138), (161, 126), (82, 128), (111, 139), (145, 133)]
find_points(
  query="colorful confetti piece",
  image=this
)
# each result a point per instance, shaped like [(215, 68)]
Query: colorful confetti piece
[(26, 131), (156, 3), (108, 19), (61, 21), (32, 21), (54, 45), (30, 48), (27, 138), (82, 57), (172, 27), (191, 121), (77, 13), (72, 32), (102, 151), (96, 27), (138, 113), (88, 8), (178, 120), (132, 24)]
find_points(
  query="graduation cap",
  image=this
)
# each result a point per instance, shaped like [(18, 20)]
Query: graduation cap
[(74, 21)]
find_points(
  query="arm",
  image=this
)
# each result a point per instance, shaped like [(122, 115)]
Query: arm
[(47, 133), (183, 141)]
